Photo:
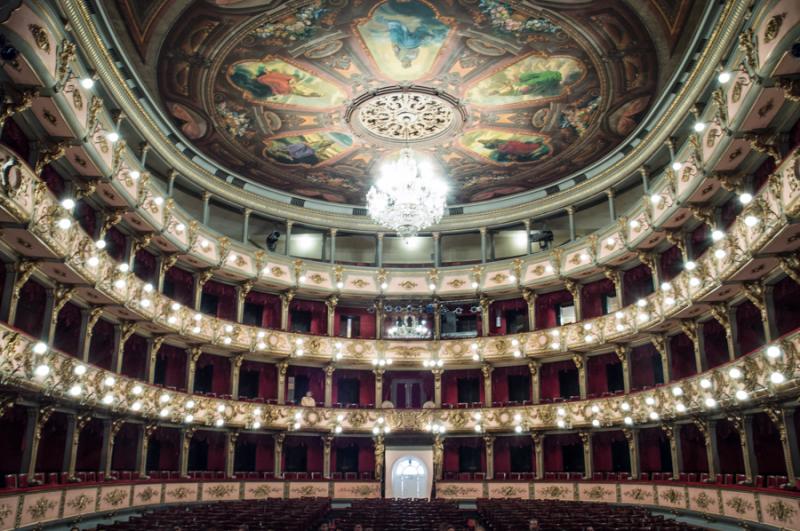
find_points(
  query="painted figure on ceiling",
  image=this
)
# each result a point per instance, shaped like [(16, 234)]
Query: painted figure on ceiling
[(512, 150), (265, 83)]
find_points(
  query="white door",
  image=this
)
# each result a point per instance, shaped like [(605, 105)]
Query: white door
[(409, 478)]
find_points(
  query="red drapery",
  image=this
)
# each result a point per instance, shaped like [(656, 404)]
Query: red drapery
[(216, 447), (144, 266), (749, 328), (221, 375), (366, 452), (546, 307), (68, 330), (316, 381), (637, 283), (730, 211), (31, 306), (134, 359), (116, 244), (786, 297), (700, 240), (693, 449), (267, 378), (14, 137), (169, 447), (319, 315), (53, 180), (643, 360), (502, 452), (683, 363), (424, 376), (271, 308), (12, 426), (761, 175), (553, 456), (548, 379), (767, 446), (715, 343), (602, 456), (592, 295), (597, 374), (226, 299), (265, 450), (53, 443), (651, 442), (90, 446), (500, 387), (125, 448), (366, 323), (499, 309), (174, 360), (366, 385), (729, 448), (101, 349), (182, 285), (450, 380), (671, 263), (313, 447), (86, 217), (451, 452)]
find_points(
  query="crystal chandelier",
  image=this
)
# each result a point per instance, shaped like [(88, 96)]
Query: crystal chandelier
[(408, 197), (409, 327)]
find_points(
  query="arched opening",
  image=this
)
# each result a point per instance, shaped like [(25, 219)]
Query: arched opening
[(409, 478)]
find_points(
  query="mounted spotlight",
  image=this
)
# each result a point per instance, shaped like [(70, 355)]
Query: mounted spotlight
[(272, 240), (543, 237)]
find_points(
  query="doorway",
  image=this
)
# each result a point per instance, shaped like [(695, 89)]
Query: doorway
[(409, 478)]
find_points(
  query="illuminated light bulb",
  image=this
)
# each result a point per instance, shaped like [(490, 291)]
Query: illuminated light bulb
[(256, 425), (587, 326), (620, 327), (777, 377), (517, 354), (561, 412), (220, 408), (690, 266), (694, 282), (588, 338), (219, 423), (735, 373), (625, 406), (619, 315), (232, 258), (518, 429), (196, 329), (741, 394), (717, 235), (595, 409), (337, 429), (119, 283), (680, 408), (560, 423), (261, 346), (40, 348), (164, 398), (384, 285), (64, 223), (611, 241), (229, 328), (719, 254), (137, 390), (677, 165), (641, 303), (87, 82), (381, 420), (75, 390), (705, 383), (512, 278), (653, 415), (190, 404), (478, 428), (68, 204), (669, 301), (204, 243), (634, 224), (548, 269), (79, 370), (774, 351), (584, 257), (476, 357), (123, 268), (514, 342), (650, 401), (135, 175), (302, 278), (261, 334), (477, 416), (724, 77), (555, 345), (710, 402), (431, 286), (655, 199), (109, 381), (699, 127), (554, 332), (628, 421), (643, 317), (175, 306), (474, 285), (158, 200), (136, 406), (100, 244), (112, 137), (375, 430), (300, 352), (93, 261), (745, 198), (595, 423), (677, 391), (148, 288), (751, 220), (439, 363), (41, 371), (180, 227), (189, 418), (198, 317), (108, 399), (144, 303), (339, 285)]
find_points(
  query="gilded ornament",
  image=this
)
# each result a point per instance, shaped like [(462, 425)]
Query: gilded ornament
[(220, 491), (316, 278), (147, 494), (266, 491), (704, 501), (781, 511), (739, 505), (672, 496), (40, 37), (359, 283), (456, 283), (5, 512), (40, 508), (598, 492), (277, 272), (408, 284), (498, 278), (79, 503), (773, 27)]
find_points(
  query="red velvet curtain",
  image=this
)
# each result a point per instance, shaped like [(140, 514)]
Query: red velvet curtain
[(90, 446), (116, 244), (700, 240), (592, 296), (271, 313), (319, 315), (101, 349), (134, 359), (693, 449), (125, 448), (366, 385), (602, 456), (12, 426), (642, 366), (86, 217), (548, 379), (53, 444), (425, 376), (316, 381), (683, 363), (366, 452), (14, 137), (313, 447), (671, 263), (502, 453), (451, 452), (546, 307), (221, 376), (729, 448), (786, 297), (500, 389), (68, 330), (216, 448), (53, 180), (730, 211), (553, 455), (715, 343), (749, 328), (637, 283), (144, 266), (651, 441), (450, 380), (366, 323), (169, 447), (183, 285), (761, 175), (767, 446), (174, 359), (226, 294), (267, 378), (499, 309), (597, 374), (31, 306)]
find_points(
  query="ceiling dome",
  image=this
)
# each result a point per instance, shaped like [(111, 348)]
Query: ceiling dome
[(312, 99)]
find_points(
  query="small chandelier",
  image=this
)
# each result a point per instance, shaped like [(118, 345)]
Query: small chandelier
[(409, 327), (408, 197)]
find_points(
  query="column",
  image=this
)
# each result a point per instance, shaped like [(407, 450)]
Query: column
[(721, 312), (246, 225), (75, 425), (110, 430), (379, 250), (661, 343), (527, 224), (236, 369), (200, 280), (331, 303), (645, 180), (694, 331), (378, 386), (486, 304), (438, 456), (580, 363), (571, 216), (488, 441), (437, 386), (574, 289), (483, 244), (761, 297), (145, 433), (533, 366), (122, 333), (206, 206), (287, 250), (437, 320), (379, 457), (153, 346), (61, 295), (327, 442), (37, 418), (282, 368), (192, 355), (615, 276), (632, 436), (530, 298), (588, 455), (242, 291), (487, 370), (379, 319), (329, 385), (708, 428), (286, 300), (437, 250), (333, 245), (16, 277), (673, 433), (538, 449), (783, 419), (623, 354), (612, 211), (744, 426), (171, 176), (279, 438), (183, 455), (231, 436)]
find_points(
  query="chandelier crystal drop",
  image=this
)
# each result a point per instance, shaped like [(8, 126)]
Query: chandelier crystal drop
[(408, 197), (409, 327)]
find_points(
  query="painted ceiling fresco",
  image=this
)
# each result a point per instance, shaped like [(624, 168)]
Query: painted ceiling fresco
[(266, 88)]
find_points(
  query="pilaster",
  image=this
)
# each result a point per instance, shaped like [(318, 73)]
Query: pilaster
[(231, 437), (538, 449), (632, 436), (329, 369), (286, 301), (283, 367), (437, 386), (487, 370), (327, 443), (278, 440), (488, 441), (588, 454), (378, 386), (530, 298)]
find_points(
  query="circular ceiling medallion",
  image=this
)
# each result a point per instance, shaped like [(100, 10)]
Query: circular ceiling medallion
[(405, 115)]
